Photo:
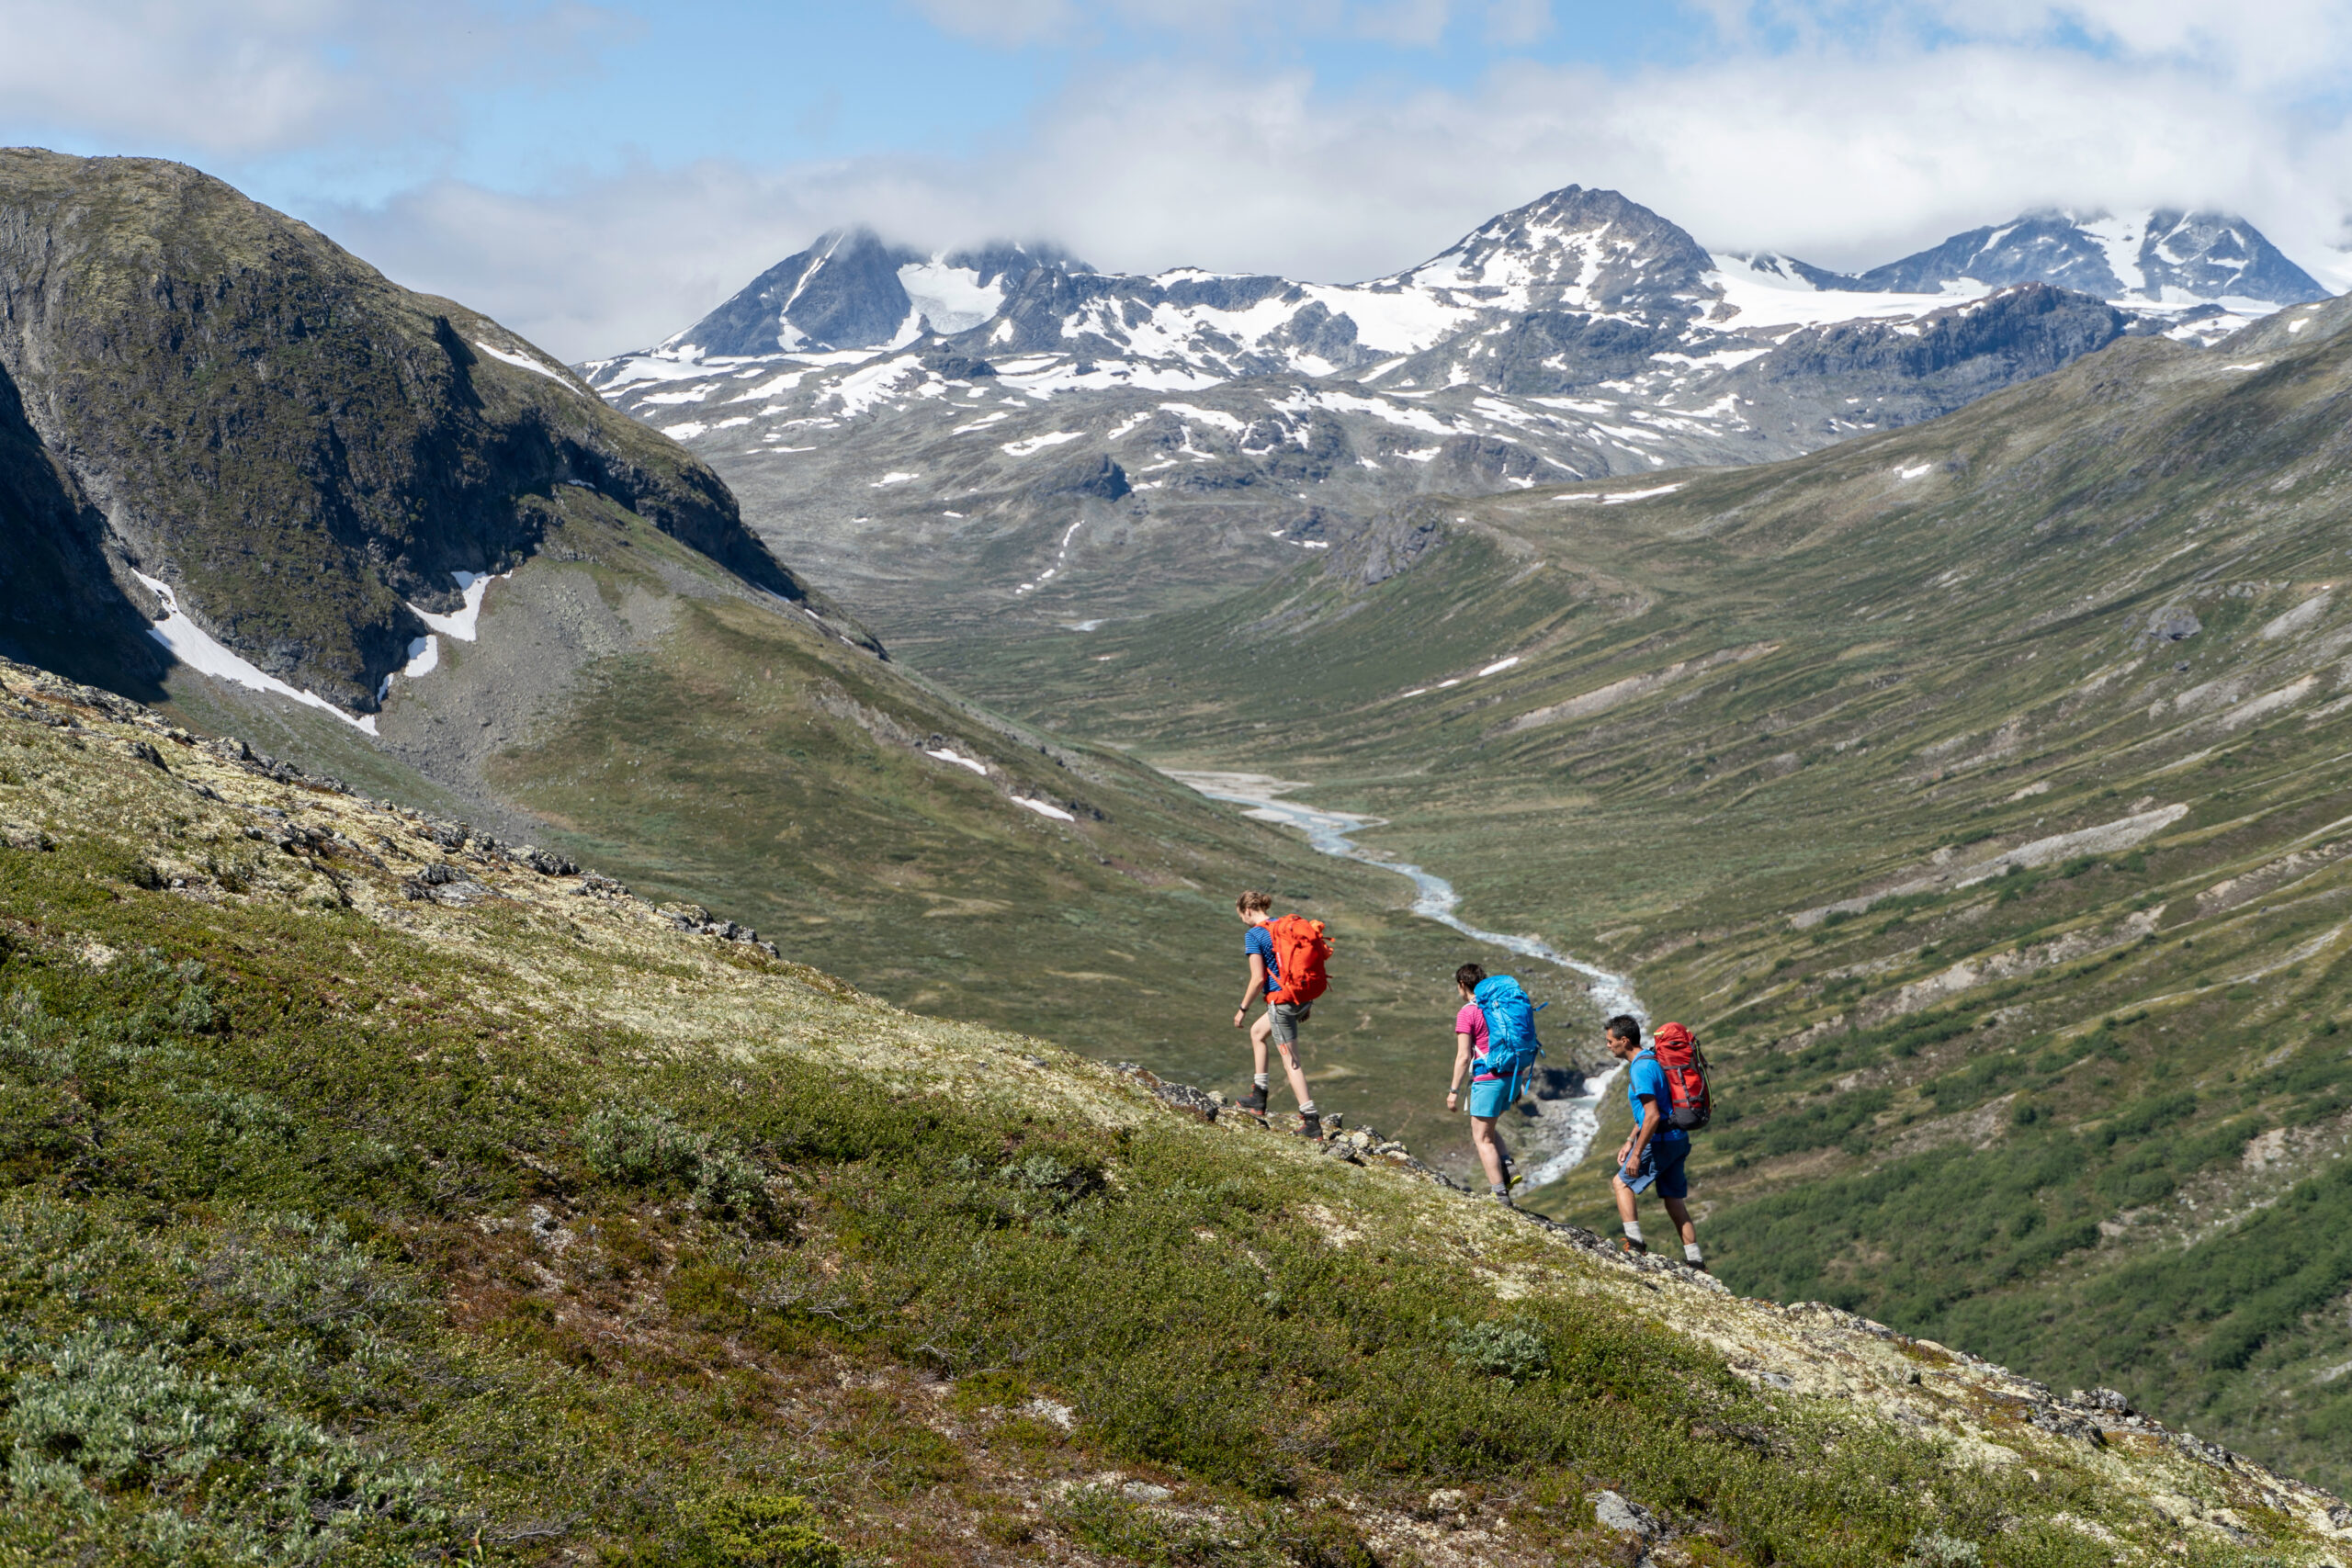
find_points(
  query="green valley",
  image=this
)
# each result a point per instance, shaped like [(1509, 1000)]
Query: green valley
[(1975, 790), (379, 1193)]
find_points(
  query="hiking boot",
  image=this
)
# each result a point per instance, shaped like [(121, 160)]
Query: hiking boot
[(1632, 1248), (1504, 1199), (1254, 1102), (1699, 1263), (1310, 1126)]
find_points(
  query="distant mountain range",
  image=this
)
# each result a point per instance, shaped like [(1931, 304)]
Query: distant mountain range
[(2165, 256), (926, 431), (1573, 251)]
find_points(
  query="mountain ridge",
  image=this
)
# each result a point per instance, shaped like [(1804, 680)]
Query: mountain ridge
[(1579, 335)]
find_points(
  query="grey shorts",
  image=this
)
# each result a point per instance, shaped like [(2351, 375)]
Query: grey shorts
[(1287, 1018)]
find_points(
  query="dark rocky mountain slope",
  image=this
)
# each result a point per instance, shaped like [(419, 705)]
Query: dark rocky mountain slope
[(304, 452), (2143, 255)]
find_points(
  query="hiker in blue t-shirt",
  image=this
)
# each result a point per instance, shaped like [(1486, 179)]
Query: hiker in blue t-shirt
[(1654, 1152), (1280, 1021)]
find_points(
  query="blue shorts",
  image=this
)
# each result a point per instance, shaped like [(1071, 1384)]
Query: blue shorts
[(1661, 1166), (1491, 1097)]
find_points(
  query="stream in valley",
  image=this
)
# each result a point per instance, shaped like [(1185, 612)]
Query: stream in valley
[(1556, 1139)]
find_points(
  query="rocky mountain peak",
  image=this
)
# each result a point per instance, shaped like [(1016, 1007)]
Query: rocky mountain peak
[(852, 289), (1572, 248), (841, 292), (2164, 254)]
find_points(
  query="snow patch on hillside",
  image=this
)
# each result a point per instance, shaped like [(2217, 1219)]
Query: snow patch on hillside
[(525, 362), (196, 648), (952, 299), (949, 754), (461, 623), (1039, 443)]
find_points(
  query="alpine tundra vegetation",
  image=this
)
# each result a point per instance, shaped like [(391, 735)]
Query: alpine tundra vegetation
[(379, 1191)]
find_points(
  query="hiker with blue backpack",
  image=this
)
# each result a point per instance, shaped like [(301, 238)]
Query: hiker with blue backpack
[(1666, 1084), (1495, 1043)]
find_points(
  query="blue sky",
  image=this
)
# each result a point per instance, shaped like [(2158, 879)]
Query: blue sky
[(598, 172)]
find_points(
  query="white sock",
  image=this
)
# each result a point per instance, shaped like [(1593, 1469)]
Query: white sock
[(1306, 1109), (1690, 1252), (1260, 1080), (1634, 1230)]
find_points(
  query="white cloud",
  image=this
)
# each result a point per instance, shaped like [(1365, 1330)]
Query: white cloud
[(1845, 154), (240, 77), (1409, 24), (1516, 22), (2268, 44)]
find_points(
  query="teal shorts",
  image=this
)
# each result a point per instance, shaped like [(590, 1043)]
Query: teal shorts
[(1491, 1097)]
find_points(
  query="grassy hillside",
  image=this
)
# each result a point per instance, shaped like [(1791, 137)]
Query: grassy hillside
[(635, 703), (373, 1194), (1975, 790)]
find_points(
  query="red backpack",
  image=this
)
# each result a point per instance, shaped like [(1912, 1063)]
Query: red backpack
[(1689, 1103), (1301, 951)]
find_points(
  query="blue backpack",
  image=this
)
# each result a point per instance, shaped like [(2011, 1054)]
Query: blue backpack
[(1511, 1045)]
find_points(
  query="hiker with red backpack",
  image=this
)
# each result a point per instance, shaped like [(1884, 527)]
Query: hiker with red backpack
[(1666, 1084), (1494, 1042), (1287, 959)]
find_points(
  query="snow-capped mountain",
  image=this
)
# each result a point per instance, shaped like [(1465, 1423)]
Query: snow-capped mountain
[(2161, 257), (975, 424), (850, 290)]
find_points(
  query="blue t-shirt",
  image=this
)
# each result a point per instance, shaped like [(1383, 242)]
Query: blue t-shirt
[(1262, 941), (1644, 1076)]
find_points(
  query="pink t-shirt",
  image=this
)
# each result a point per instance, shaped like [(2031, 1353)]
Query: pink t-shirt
[(1472, 1020)]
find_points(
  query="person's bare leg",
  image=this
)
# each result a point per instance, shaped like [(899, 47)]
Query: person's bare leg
[(1680, 1213), (1489, 1149), (1298, 1079), (1259, 1033), (1625, 1200)]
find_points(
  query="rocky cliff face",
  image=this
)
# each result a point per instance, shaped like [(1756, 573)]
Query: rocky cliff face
[(218, 397)]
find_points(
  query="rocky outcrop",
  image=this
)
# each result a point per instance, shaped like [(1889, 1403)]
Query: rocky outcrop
[(1947, 358)]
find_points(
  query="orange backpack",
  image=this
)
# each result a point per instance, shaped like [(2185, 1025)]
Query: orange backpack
[(1301, 951)]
